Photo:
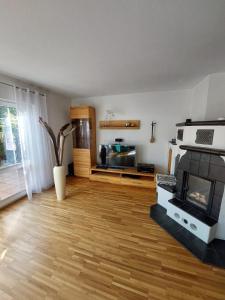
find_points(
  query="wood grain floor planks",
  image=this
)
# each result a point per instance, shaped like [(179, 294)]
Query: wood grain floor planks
[(99, 244)]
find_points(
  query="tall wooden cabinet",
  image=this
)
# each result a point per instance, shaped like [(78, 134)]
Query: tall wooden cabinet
[(84, 139)]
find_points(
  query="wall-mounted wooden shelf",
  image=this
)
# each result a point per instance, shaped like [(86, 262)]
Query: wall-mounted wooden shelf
[(120, 124)]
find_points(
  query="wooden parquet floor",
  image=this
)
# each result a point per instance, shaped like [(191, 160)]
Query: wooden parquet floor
[(99, 243), (11, 181)]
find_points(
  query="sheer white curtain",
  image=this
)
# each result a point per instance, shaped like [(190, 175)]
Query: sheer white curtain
[(35, 145)]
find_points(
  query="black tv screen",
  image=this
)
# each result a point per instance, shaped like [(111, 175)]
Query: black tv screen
[(117, 155)]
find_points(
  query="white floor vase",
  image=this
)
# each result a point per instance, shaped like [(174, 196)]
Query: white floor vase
[(59, 174)]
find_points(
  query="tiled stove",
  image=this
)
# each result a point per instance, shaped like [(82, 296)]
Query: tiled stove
[(197, 205)]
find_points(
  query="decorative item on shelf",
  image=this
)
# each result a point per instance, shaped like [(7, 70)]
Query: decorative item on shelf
[(152, 139), (109, 115), (59, 172), (188, 120), (173, 142), (119, 140)]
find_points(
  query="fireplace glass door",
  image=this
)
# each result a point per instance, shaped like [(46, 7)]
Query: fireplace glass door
[(198, 191)]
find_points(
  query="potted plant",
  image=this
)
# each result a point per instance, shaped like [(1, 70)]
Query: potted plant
[(59, 171)]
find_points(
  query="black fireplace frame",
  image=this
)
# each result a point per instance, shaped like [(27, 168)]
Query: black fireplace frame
[(207, 164), (206, 211)]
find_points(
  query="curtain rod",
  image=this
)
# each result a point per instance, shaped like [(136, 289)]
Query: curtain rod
[(23, 89)]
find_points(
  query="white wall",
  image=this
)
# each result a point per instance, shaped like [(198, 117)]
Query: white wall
[(58, 115), (208, 98), (199, 96), (6, 90), (216, 97), (166, 108)]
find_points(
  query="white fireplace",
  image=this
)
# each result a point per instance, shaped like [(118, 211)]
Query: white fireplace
[(198, 162)]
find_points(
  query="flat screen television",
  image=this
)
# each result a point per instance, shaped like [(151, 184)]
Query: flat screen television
[(117, 155)]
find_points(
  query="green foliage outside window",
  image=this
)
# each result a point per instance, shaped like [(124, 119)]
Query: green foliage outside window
[(4, 154)]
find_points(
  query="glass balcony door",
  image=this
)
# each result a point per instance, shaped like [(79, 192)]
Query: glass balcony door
[(11, 172)]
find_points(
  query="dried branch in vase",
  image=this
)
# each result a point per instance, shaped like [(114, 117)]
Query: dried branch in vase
[(58, 144)]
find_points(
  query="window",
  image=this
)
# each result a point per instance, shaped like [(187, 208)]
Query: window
[(12, 183), (10, 152)]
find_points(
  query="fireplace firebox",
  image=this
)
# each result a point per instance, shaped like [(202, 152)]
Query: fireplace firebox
[(198, 191), (200, 182)]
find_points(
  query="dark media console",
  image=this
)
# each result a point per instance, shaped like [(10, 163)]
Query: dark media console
[(148, 168), (102, 166), (111, 167), (144, 168)]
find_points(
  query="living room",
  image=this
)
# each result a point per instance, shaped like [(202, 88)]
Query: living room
[(112, 149)]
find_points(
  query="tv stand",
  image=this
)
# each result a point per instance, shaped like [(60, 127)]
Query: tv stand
[(127, 176)]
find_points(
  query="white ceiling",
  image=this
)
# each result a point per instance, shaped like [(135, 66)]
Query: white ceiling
[(98, 47)]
